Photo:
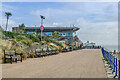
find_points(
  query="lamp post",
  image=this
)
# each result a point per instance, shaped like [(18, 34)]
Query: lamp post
[(42, 17)]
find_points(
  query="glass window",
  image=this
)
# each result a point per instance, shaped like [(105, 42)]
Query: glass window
[(68, 34), (63, 33)]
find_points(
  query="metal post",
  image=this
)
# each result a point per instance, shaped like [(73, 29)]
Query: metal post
[(41, 25), (116, 68), (42, 17), (114, 65), (119, 71)]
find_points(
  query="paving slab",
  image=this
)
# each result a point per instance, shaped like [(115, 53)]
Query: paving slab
[(85, 63)]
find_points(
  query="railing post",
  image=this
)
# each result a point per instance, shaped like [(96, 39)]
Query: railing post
[(119, 71), (116, 68), (114, 65)]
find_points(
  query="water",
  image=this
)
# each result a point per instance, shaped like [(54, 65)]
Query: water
[(111, 47)]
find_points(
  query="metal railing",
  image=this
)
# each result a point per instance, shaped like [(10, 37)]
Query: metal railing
[(113, 61)]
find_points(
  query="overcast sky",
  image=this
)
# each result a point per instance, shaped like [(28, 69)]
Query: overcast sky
[(97, 20)]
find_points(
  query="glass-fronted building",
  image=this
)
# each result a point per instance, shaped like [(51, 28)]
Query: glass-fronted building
[(63, 31)]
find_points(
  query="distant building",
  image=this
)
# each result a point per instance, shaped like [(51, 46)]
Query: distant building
[(63, 31), (89, 45)]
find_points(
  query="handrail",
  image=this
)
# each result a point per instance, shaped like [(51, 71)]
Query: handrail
[(113, 61)]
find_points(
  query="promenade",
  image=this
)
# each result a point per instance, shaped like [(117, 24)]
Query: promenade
[(86, 63)]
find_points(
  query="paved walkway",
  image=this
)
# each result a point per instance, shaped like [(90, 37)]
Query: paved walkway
[(77, 64)]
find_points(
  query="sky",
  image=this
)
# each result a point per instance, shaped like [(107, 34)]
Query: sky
[(98, 21)]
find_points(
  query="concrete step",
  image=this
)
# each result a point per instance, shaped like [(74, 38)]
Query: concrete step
[(110, 75), (106, 65), (109, 72)]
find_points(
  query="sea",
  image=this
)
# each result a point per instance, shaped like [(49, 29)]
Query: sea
[(111, 47)]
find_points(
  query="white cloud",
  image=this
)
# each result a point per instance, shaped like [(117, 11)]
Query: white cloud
[(11, 21), (104, 31), (100, 32), (70, 11), (57, 24), (97, 23), (11, 24)]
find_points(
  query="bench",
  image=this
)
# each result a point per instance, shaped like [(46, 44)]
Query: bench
[(64, 50), (38, 52), (54, 51), (12, 55), (44, 52), (41, 52), (49, 52)]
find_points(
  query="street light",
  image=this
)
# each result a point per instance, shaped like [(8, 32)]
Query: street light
[(42, 17)]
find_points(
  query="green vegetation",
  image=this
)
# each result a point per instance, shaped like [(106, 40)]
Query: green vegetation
[(1, 32), (20, 37), (33, 37), (55, 34), (52, 40), (22, 26), (9, 34), (27, 42), (24, 41), (27, 38)]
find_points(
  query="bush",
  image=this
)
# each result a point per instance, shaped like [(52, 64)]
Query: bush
[(14, 41), (20, 37), (24, 41), (54, 41), (3, 36), (60, 49), (33, 37), (13, 47), (27, 42), (9, 34)]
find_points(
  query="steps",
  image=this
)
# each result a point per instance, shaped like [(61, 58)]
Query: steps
[(108, 70)]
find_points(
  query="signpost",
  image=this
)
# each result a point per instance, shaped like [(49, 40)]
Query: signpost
[(42, 27)]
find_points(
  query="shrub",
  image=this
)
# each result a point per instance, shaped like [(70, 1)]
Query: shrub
[(14, 41), (24, 41), (42, 42), (13, 47), (60, 49), (27, 42), (5, 48), (3, 36), (54, 41), (33, 37), (19, 50), (20, 37), (9, 34)]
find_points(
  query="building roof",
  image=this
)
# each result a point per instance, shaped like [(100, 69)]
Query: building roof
[(55, 28), (49, 29)]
